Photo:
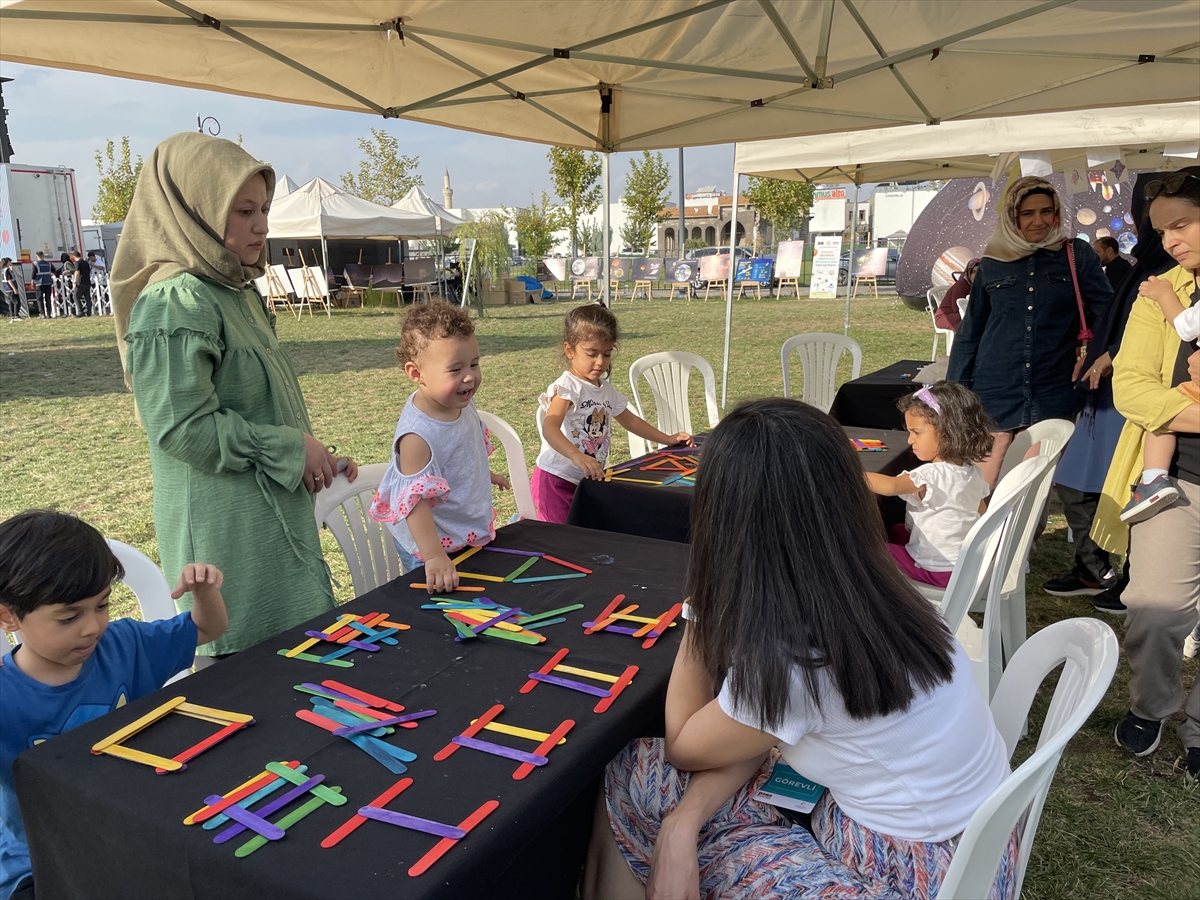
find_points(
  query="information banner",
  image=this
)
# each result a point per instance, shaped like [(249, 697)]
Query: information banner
[(827, 256), (754, 270)]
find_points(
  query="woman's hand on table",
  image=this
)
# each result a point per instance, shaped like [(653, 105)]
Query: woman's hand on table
[(675, 865), (320, 466), (440, 574)]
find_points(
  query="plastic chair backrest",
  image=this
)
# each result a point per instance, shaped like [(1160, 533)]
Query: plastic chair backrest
[(668, 373), (367, 545), (518, 472), (1089, 650), (149, 586), (819, 354)]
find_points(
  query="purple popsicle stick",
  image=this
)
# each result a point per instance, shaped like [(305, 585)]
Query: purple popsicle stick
[(515, 611), (330, 692), (619, 629), (416, 824), (514, 552), (395, 720), (255, 823), (358, 645), (275, 805), (573, 685), (500, 750)]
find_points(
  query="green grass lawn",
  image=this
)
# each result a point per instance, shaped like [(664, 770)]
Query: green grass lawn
[(68, 440)]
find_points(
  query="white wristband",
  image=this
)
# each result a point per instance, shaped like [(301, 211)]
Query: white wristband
[(688, 613)]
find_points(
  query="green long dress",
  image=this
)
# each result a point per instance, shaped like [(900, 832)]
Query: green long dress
[(226, 423)]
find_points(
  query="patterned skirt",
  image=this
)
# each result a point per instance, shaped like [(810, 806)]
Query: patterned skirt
[(750, 849)]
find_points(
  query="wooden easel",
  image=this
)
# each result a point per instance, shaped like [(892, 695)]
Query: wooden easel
[(721, 286), (586, 285), (314, 291), (276, 292), (614, 290), (793, 283), (646, 286), (686, 288), (870, 282), (741, 289)]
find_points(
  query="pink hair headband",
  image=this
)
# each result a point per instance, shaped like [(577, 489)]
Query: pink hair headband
[(925, 395)]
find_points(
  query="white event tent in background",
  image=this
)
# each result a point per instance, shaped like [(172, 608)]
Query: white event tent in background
[(283, 187), (417, 202), (318, 209)]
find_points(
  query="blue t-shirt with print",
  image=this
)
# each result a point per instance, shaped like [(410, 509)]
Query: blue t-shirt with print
[(132, 659)]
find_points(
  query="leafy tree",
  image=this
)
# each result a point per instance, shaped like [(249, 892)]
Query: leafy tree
[(694, 244), (645, 195), (591, 237), (535, 227), (117, 181), (385, 175), (782, 203), (492, 250), (576, 178)]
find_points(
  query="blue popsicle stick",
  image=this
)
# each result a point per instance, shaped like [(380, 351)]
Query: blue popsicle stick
[(337, 654), (345, 717), (398, 752), (549, 578), (671, 480), (384, 635), (386, 760), (246, 802)]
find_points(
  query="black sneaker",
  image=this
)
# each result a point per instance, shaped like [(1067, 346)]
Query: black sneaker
[(1137, 735), (1109, 601), (1074, 584), (1192, 775)]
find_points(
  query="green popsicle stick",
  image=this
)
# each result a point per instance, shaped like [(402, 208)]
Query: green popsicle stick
[(285, 823), (521, 568), (309, 657), (550, 614)]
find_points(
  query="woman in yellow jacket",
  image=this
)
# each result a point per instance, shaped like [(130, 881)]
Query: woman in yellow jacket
[(1164, 592)]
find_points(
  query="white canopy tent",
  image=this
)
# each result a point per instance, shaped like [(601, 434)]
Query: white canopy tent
[(283, 187), (669, 73), (417, 202), (318, 209)]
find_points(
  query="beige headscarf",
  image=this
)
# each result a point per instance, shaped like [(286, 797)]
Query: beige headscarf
[(1006, 243), (176, 222)]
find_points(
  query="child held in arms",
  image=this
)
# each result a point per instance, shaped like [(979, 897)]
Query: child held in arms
[(56, 575)]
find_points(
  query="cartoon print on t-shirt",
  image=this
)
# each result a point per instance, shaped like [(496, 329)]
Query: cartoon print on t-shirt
[(84, 712), (596, 438)]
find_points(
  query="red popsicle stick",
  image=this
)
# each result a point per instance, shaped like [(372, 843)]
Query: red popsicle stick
[(440, 848), (209, 811), (545, 747), (347, 632), (199, 748), (373, 713), (615, 690), (320, 721), (664, 623), (545, 670), (368, 699), (471, 730), (569, 565), (605, 613), (355, 820)]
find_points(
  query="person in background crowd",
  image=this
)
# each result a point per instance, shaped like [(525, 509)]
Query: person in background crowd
[(1116, 267), (8, 289), (44, 279), (99, 267), (1084, 464), (947, 314), (82, 285)]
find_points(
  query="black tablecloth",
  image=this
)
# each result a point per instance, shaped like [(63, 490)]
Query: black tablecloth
[(105, 827), (870, 401), (664, 512)]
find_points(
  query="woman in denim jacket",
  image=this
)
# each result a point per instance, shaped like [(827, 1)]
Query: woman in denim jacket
[(1017, 345)]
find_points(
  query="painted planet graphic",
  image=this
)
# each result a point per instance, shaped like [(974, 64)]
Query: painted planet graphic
[(578, 266), (1116, 224), (1103, 232), (1126, 240), (1108, 208), (1085, 216), (1128, 218), (978, 201), (953, 260), (1083, 236)]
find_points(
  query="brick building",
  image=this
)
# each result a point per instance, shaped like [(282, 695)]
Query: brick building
[(707, 216)]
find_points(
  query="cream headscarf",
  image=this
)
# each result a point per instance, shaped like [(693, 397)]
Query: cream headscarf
[(176, 222), (1006, 243)]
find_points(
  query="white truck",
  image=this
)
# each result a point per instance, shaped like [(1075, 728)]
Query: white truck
[(39, 210)]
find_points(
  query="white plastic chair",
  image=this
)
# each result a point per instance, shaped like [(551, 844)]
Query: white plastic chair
[(367, 545), (819, 354), (669, 373), (518, 472), (933, 297), (1087, 650), (149, 586)]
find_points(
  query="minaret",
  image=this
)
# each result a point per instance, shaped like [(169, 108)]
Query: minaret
[(447, 191)]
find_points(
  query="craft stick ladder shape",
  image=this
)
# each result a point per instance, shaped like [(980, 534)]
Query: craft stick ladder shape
[(651, 629), (617, 683), (344, 636), (114, 745), (528, 761), (449, 834), (236, 804)]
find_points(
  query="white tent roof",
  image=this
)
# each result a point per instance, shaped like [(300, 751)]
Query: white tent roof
[(419, 203), (639, 74), (318, 209), (962, 149), (283, 187)]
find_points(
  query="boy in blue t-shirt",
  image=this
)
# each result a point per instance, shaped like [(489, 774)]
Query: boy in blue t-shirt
[(56, 574)]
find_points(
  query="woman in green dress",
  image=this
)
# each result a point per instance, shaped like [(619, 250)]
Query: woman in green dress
[(234, 460)]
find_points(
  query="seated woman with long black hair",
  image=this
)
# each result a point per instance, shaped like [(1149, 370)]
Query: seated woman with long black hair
[(802, 636)]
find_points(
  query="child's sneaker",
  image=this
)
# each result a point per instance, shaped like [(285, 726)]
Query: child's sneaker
[(1149, 499), (1191, 644)]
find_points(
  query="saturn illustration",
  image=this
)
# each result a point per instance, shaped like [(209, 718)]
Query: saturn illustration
[(978, 201)]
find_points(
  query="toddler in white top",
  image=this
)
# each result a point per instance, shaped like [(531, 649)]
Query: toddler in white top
[(436, 496), (580, 407), (949, 432), (1155, 492)]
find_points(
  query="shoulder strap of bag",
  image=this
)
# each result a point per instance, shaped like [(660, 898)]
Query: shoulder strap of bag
[(1085, 333)]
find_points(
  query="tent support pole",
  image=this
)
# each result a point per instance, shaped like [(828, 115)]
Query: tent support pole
[(850, 269), (682, 223), (606, 266), (729, 287), (325, 264)]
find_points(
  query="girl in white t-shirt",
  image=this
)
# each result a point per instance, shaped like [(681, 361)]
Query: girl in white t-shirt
[(802, 642), (580, 408), (436, 495), (949, 432)]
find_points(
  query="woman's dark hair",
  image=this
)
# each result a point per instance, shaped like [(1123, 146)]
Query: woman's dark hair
[(50, 557), (788, 568), (964, 429), (1184, 184), (430, 322), (590, 323)]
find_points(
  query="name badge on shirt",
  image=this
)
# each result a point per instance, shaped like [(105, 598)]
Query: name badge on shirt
[(789, 789)]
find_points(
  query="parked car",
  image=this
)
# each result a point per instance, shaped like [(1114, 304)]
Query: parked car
[(893, 261)]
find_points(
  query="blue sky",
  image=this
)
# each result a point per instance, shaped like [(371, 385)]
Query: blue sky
[(58, 117)]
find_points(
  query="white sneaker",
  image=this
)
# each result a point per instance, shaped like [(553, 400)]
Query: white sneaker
[(1191, 644)]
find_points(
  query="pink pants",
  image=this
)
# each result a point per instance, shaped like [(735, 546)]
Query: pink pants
[(898, 536), (551, 495)]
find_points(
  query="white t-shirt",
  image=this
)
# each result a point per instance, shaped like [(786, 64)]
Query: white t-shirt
[(1187, 323), (918, 775), (587, 424), (940, 520)]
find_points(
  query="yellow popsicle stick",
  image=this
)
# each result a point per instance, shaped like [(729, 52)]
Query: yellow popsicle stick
[(480, 577), (312, 642), (635, 480), (586, 673), (134, 727), (513, 730), (219, 714), (191, 820), (469, 552), (503, 626), (148, 759), (201, 717), (642, 619)]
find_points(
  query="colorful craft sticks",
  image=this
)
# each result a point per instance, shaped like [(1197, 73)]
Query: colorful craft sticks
[(868, 445), (651, 630), (113, 745), (235, 805), (607, 695), (517, 576), (449, 834), (680, 467), (362, 719), (528, 761), (481, 616), (349, 633)]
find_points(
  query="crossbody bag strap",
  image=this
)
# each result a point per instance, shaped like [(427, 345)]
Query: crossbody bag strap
[(1085, 333)]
